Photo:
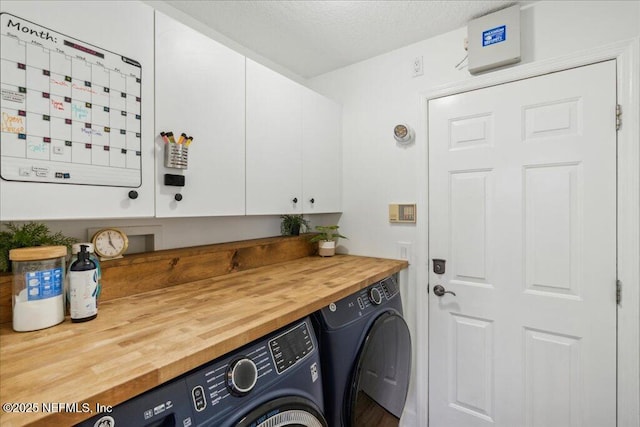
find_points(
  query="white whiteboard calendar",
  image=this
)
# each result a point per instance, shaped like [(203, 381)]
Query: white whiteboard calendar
[(71, 112)]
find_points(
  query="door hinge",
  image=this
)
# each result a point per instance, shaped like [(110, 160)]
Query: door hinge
[(618, 291), (618, 116)]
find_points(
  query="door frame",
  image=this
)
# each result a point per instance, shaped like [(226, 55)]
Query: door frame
[(626, 53)]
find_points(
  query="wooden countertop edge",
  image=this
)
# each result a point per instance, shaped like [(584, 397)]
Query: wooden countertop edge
[(120, 392)]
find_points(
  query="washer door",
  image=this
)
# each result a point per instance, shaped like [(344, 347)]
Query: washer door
[(292, 411), (381, 375)]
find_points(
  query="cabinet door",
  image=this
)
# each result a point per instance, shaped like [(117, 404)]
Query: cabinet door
[(84, 151), (322, 153), (274, 147), (200, 91)]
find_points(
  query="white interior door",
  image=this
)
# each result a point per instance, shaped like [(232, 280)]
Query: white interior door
[(522, 199)]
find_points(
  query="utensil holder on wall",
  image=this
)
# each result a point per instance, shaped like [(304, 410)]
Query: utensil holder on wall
[(176, 156)]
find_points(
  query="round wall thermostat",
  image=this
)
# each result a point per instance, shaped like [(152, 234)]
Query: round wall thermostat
[(403, 134)]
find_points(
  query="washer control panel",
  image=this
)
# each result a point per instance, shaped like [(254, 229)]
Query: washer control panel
[(361, 303), (242, 375), (223, 385), (375, 296), (291, 347)]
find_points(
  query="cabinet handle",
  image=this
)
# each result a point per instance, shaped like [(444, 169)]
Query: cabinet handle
[(295, 200), (133, 194), (312, 200), (178, 197)]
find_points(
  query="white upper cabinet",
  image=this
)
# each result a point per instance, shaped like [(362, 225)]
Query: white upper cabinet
[(321, 153), (274, 142), (200, 90), (293, 146), (262, 143), (84, 145)]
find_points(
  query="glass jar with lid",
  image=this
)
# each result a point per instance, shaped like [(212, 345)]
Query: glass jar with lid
[(38, 287)]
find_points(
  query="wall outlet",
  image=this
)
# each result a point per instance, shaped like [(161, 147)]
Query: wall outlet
[(417, 67)]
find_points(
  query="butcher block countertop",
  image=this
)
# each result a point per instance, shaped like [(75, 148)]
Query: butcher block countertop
[(140, 341)]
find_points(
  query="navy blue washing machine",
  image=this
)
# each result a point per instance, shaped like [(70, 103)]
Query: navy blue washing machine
[(274, 381), (365, 348)]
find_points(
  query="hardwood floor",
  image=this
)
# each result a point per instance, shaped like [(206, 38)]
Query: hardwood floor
[(370, 414)]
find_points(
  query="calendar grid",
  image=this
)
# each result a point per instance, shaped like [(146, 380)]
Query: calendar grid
[(71, 112)]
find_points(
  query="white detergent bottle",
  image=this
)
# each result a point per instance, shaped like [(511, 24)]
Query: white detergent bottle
[(83, 287)]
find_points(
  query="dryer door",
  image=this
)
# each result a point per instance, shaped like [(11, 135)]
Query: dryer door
[(292, 411), (381, 375)]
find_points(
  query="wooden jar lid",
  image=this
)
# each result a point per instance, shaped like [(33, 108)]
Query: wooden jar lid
[(37, 253)]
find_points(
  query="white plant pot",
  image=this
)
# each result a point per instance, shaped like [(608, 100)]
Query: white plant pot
[(326, 248)]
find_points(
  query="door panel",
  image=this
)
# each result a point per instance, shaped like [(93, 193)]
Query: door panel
[(522, 193), (471, 381)]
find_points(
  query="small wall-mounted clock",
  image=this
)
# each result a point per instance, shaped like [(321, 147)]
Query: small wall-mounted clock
[(110, 243)]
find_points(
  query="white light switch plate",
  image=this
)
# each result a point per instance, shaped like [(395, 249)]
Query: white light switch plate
[(404, 251)]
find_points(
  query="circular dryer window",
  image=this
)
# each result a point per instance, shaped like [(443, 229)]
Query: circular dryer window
[(289, 411), (382, 372)]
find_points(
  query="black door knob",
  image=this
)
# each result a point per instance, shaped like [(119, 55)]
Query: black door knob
[(178, 197), (439, 290), (133, 194), (312, 200), (295, 200)]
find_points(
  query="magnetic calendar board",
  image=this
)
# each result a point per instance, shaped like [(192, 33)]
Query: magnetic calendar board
[(71, 111)]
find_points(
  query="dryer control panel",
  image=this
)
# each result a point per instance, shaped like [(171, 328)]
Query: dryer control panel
[(371, 299)]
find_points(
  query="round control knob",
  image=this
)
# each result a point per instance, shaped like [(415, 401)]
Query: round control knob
[(133, 194), (375, 296), (242, 375)]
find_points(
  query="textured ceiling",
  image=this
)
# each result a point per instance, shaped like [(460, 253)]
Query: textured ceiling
[(313, 37)]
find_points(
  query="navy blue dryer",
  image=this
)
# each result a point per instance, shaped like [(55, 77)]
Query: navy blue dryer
[(365, 349), (274, 381)]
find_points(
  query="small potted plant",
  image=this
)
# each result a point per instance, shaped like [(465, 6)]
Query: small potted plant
[(293, 225), (327, 239)]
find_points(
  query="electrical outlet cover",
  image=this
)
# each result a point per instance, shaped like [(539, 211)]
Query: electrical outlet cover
[(417, 66)]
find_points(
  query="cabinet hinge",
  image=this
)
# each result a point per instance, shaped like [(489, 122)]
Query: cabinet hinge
[(618, 116), (618, 291)]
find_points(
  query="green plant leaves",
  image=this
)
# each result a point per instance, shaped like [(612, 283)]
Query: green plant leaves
[(327, 232), (28, 235), (289, 222)]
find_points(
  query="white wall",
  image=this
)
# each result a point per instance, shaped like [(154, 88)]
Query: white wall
[(379, 93)]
